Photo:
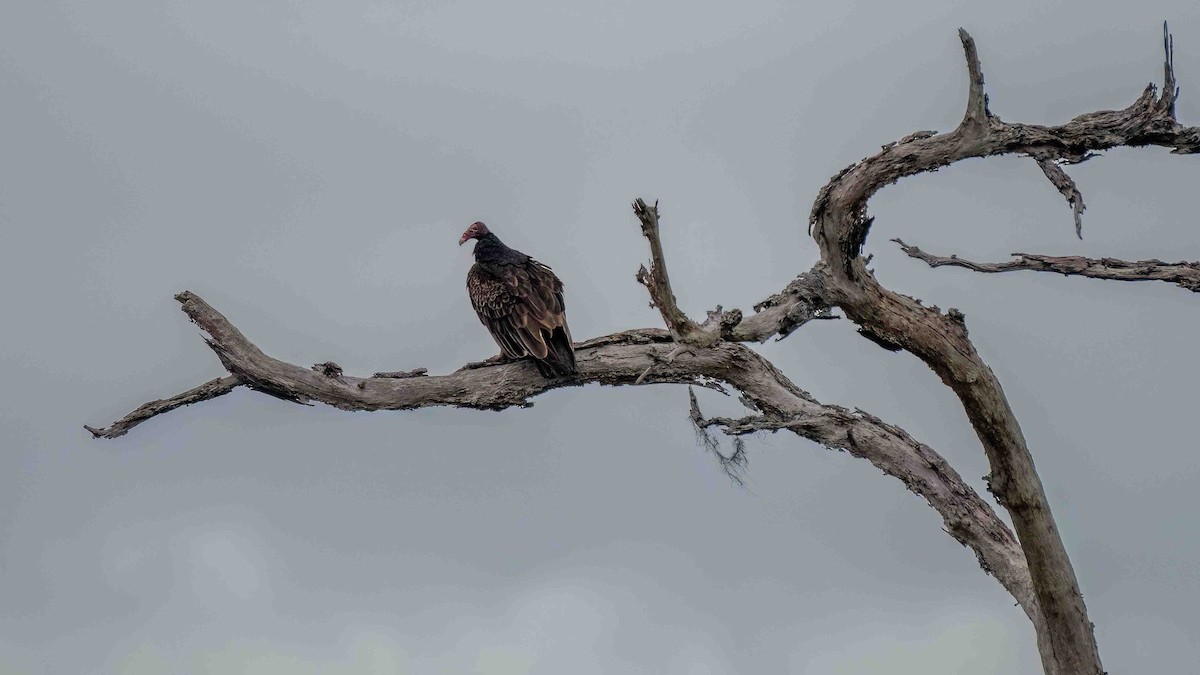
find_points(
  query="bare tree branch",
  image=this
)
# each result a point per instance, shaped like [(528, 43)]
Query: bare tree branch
[(657, 282), (1066, 185), (801, 301), (977, 116), (804, 299), (839, 217), (210, 389), (968, 518), (621, 359), (840, 225), (1183, 274), (652, 356)]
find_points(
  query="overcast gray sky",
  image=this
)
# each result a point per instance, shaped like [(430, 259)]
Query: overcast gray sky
[(307, 169)]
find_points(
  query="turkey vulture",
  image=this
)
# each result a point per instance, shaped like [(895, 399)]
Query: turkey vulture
[(520, 300)]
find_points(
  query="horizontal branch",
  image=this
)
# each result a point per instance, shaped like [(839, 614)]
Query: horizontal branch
[(625, 358), (805, 299), (1183, 274), (620, 358)]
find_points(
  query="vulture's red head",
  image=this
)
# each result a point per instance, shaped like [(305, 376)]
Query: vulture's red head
[(475, 231)]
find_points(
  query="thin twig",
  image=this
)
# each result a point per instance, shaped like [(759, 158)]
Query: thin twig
[(211, 389), (1184, 274)]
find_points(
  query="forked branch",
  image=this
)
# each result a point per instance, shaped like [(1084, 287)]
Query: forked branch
[(840, 224), (804, 299), (839, 218)]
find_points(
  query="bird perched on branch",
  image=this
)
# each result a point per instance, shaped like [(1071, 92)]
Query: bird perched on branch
[(520, 300)]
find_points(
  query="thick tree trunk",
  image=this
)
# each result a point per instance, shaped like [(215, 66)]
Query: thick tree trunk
[(1065, 637)]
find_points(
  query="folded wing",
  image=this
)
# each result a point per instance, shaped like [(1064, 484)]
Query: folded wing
[(522, 307)]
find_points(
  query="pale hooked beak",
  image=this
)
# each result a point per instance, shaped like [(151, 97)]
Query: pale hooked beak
[(463, 239)]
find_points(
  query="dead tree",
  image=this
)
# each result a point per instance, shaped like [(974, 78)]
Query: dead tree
[(1031, 564)]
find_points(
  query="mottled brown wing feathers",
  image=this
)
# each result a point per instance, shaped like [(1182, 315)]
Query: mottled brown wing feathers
[(522, 307), (546, 296)]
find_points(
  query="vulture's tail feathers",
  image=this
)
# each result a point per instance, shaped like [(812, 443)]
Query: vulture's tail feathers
[(560, 358)]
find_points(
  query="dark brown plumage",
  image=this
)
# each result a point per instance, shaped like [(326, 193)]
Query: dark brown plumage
[(520, 301)]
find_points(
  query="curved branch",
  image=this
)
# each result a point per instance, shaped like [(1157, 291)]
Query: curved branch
[(1184, 274), (966, 516), (839, 220), (977, 114), (1065, 185), (840, 225)]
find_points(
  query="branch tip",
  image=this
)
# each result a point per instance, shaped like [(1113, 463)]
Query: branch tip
[(977, 114), (658, 282), (1066, 186), (1170, 90), (210, 389)]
